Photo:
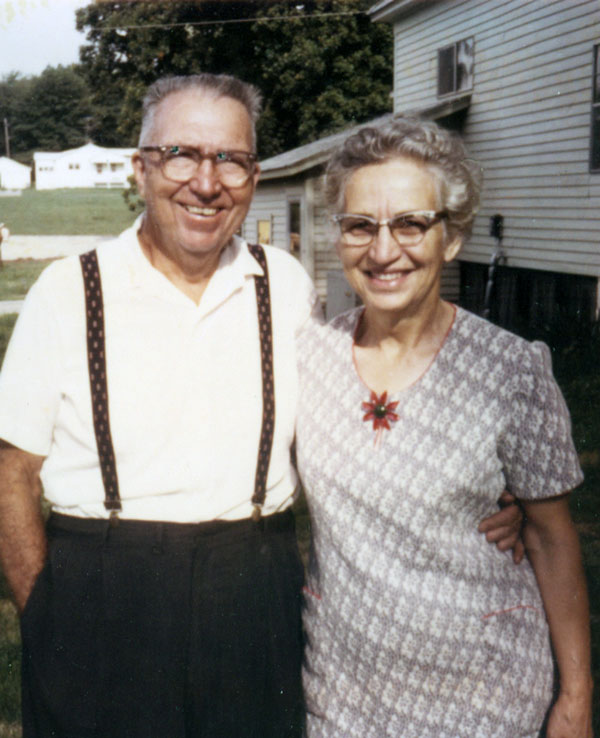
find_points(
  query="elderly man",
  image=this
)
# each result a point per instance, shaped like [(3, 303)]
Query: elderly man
[(162, 598), (146, 619)]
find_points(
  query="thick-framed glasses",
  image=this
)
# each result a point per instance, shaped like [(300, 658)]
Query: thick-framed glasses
[(407, 229), (181, 163)]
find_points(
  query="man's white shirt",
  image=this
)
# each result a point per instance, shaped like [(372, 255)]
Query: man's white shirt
[(184, 385)]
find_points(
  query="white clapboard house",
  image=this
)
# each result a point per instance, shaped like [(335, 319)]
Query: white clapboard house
[(520, 81), (13, 174), (86, 166)]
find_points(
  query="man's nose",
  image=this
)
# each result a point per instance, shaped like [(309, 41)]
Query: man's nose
[(206, 180)]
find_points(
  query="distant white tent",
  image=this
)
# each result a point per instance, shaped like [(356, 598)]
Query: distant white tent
[(86, 166), (13, 175)]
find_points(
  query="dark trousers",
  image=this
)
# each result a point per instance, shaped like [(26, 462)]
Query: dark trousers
[(165, 630)]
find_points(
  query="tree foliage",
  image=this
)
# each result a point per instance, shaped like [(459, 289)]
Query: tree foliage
[(321, 64), (49, 112)]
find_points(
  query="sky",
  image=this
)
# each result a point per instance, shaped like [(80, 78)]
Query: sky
[(35, 34)]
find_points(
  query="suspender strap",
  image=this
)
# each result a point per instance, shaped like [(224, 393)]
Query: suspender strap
[(97, 370), (94, 310), (263, 304)]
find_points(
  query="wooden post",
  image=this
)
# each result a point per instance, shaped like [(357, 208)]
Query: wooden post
[(6, 138)]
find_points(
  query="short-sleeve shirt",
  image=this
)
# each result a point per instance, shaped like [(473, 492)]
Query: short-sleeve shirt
[(184, 384), (416, 626)]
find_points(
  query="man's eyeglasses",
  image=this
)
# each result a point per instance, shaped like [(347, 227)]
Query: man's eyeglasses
[(407, 229), (181, 163)]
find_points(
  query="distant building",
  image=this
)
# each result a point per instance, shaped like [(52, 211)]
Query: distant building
[(14, 175), (86, 166)]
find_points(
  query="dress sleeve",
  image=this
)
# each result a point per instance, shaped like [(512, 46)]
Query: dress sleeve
[(537, 450), (29, 380)]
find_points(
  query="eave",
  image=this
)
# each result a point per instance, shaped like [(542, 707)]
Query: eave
[(317, 153)]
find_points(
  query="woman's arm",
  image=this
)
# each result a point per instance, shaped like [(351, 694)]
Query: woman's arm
[(553, 548)]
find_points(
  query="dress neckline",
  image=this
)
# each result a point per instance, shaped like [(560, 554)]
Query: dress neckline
[(354, 329)]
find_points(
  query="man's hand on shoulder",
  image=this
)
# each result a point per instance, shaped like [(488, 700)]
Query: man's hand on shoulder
[(504, 527)]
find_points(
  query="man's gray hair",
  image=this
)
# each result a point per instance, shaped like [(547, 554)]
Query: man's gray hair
[(458, 177), (219, 85)]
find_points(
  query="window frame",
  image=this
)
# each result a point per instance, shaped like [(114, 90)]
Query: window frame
[(594, 161), (454, 48)]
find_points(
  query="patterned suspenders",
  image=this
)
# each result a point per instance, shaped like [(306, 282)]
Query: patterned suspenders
[(94, 307), (94, 313)]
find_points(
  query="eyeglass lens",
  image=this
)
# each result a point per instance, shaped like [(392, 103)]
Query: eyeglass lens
[(406, 229), (232, 168)]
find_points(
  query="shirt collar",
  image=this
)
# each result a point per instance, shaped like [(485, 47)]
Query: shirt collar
[(236, 265)]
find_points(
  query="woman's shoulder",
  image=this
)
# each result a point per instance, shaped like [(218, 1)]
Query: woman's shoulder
[(493, 358), (345, 322), (326, 340), (486, 338)]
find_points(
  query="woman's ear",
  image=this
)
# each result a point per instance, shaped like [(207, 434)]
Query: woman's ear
[(452, 248)]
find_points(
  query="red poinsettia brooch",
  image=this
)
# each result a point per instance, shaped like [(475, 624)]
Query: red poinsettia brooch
[(381, 412)]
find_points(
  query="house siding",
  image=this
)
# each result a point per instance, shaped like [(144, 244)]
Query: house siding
[(269, 203), (528, 123)]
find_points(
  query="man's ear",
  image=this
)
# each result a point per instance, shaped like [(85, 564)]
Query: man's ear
[(451, 249), (256, 175), (139, 170)]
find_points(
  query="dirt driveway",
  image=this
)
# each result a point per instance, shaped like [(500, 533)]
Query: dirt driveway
[(48, 247)]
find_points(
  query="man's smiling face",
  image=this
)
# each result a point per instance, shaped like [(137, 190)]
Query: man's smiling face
[(194, 219)]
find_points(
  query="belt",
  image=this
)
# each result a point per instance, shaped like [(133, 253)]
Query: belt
[(151, 530)]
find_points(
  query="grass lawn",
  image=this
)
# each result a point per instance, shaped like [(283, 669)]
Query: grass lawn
[(7, 323), (580, 383), (16, 277), (10, 660), (66, 212)]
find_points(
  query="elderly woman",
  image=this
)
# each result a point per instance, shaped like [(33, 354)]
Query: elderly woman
[(414, 415)]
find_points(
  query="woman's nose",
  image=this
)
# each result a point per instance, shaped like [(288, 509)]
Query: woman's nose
[(384, 247)]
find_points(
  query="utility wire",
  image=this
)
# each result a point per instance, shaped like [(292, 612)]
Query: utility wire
[(233, 20)]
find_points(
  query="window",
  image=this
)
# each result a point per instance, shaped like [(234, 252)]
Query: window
[(595, 127), (73, 166), (294, 226), (100, 168), (455, 67), (114, 167)]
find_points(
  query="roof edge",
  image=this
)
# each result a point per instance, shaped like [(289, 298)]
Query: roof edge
[(392, 10), (275, 168)]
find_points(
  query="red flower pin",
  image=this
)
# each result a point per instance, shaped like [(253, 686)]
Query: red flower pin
[(380, 411)]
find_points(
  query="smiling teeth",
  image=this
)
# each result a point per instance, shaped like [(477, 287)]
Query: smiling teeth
[(200, 211), (388, 276)]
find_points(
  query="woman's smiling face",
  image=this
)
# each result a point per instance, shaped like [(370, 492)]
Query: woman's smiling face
[(386, 274)]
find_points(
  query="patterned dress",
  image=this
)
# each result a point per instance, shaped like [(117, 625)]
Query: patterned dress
[(416, 626)]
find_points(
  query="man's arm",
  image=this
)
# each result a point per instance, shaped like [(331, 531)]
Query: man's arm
[(504, 527), (22, 535)]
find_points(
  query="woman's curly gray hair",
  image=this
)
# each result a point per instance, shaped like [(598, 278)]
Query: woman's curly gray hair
[(459, 178)]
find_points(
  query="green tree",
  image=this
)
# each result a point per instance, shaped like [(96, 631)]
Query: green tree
[(48, 112), (321, 64), (57, 109), (322, 71), (14, 90)]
